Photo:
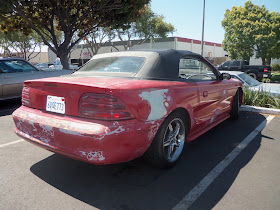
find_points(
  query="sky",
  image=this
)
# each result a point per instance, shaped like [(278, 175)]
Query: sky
[(186, 15)]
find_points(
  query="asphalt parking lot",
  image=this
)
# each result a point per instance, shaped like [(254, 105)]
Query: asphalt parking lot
[(233, 166)]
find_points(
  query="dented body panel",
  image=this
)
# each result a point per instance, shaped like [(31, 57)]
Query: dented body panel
[(147, 103)]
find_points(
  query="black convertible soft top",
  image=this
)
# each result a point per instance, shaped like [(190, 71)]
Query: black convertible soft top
[(166, 63), (159, 64)]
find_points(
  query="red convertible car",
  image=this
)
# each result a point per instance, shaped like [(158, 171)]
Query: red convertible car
[(123, 105)]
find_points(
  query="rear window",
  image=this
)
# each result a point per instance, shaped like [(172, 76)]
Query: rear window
[(114, 64)]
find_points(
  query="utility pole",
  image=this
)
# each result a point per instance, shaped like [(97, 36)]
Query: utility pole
[(202, 39)]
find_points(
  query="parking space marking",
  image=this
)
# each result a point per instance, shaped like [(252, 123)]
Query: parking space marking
[(197, 191), (13, 142)]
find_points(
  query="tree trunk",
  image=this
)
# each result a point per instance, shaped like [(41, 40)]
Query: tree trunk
[(263, 61), (268, 61), (64, 61)]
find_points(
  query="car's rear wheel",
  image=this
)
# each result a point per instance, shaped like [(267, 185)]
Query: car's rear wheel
[(234, 113), (252, 75), (168, 144)]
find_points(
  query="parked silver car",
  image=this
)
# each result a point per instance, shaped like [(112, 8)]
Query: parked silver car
[(14, 71), (252, 84)]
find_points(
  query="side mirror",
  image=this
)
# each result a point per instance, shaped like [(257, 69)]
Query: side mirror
[(224, 76)]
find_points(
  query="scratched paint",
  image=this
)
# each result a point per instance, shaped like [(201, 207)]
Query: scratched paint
[(44, 139), (93, 155), (157, 99), (48, 130), (32, 124), (71, 132), (116, 131), (224, 93), (61, 124), (31, 115), (19, 122), (153, 131), (21, 126)]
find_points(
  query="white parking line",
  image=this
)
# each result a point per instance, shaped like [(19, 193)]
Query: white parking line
[(10, 143), (197, 191)]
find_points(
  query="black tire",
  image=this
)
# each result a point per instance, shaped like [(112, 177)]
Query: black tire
[(167, 146), (234, 113), (252, 74)]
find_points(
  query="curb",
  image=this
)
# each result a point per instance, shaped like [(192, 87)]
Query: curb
[(259, 110)]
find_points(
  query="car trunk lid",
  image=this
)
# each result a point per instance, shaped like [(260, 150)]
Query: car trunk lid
[(68, 88)]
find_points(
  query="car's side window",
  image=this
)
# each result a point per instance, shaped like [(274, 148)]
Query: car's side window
[(226, 64), (5, 68), (235, 63), (194, 69), (13, 66)]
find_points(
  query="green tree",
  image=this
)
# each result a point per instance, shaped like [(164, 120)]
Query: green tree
[(23, 44), (148, 26), (97, 38), (67, 16), (5, 44), (252, 29)]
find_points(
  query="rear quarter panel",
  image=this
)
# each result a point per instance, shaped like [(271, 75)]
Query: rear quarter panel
[(163, 97), (166, 96)]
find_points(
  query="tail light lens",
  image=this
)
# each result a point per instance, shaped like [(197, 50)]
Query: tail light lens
[(265, 70), (25, 99), (103, 107)]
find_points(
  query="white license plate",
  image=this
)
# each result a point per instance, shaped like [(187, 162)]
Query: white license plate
[(55, 104)]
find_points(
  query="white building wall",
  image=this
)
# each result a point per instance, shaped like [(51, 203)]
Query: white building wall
[(196, 48), (219, 52), (258, 61), (51, 56), (169, 43), (155, 45), (42, 57), (184, 46), (208, 51), (275, 61), (143, 46)]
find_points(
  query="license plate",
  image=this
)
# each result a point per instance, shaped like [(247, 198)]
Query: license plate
[(55, 104)]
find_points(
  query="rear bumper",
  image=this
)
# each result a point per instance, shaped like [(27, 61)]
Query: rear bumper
[(96, 142)]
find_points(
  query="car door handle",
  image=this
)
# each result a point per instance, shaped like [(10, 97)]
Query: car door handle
[(205, 94)]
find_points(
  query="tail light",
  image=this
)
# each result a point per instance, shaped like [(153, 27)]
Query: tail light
[(103, 107), (265, 70), (25, 99)]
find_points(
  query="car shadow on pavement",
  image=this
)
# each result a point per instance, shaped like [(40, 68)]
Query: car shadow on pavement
[(138, 185), (8, 107)]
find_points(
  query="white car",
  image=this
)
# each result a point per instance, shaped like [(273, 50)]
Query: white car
[(57, 65), (252, 84), (42, 65)]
